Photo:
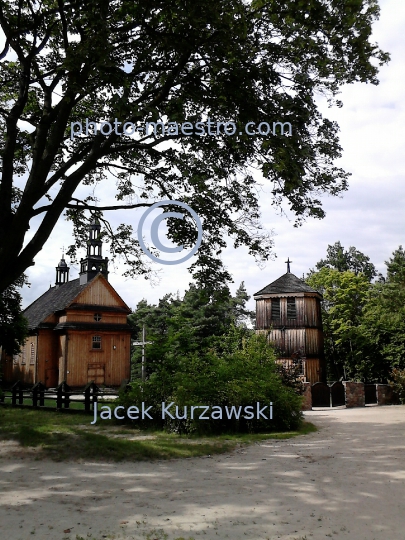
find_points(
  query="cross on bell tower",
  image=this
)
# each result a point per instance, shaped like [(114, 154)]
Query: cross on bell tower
[(94, 262), (288, 262)]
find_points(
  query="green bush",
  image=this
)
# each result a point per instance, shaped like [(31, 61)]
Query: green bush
[(238, 371), (398, 383)]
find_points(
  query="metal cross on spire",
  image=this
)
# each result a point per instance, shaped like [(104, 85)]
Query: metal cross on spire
[(288, 262)]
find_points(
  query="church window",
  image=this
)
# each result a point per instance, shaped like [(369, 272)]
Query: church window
[(32, 354), (97, 317), (275, 308), (23, 357), (300, 365), (96, 342), (291, 308)]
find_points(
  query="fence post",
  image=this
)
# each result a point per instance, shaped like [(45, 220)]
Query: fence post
[(90, 392), (38, 394), (62, 395), (17, 389), (307, 397), (354, 394)]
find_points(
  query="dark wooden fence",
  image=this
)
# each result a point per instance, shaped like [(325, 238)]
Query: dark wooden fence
[(63, 396), (320, 395), (337, 394), (324, 395)]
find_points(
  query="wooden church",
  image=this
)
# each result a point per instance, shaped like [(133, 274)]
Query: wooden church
[(78, 329), (289, 312)]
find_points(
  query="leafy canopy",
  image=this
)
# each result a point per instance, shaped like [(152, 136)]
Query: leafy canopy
[(150, 60), (13, 326), (344, 297), (344, 260), (363, 322), (178, 327)]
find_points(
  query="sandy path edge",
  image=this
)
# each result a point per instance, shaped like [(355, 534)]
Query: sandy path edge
[(345, 481)]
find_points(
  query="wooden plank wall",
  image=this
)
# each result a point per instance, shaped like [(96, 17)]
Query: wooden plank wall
[(24, 364), (313, 370), (88, 316), (47, 356), (80, 355), (308, 313), (291, 335), (99, 293)]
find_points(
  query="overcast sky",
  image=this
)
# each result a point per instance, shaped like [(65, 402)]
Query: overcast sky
[(370, 216)]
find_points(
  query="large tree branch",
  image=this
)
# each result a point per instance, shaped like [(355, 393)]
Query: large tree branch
[(82, 205), (9, 150), (25, 258)]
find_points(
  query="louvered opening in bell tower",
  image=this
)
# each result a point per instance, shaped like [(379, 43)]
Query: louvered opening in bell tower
[(94, 263)]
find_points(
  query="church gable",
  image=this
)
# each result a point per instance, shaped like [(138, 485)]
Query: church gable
[(99, 292)]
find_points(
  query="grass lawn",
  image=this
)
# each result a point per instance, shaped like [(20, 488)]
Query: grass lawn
[(63, 436)]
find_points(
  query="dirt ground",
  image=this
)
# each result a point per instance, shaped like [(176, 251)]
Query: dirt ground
[(347, 481)]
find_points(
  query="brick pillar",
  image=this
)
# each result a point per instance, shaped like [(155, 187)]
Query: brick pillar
[(307, 395), (384, 394), (354, 393)]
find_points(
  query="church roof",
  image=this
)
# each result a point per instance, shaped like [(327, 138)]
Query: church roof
[(54, 299), (287, 284)]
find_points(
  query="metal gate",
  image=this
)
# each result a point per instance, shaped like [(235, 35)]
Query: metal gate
[(370, 394), (320, 395), (337, 392)]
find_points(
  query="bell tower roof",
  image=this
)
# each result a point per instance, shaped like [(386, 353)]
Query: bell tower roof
[(62, 272), (287, 284)]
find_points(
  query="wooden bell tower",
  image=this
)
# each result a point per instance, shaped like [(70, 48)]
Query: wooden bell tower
[(289, 312)]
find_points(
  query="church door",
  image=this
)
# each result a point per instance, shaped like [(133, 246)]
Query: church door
[(95, 372), (51, 377)]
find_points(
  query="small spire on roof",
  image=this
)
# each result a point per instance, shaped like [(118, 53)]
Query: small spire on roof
[(62, 271), (288, 262)]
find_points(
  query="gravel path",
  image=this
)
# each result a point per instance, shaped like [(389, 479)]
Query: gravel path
[(347, 481)]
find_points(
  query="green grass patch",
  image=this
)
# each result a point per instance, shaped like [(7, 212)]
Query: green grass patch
[(63, 436)]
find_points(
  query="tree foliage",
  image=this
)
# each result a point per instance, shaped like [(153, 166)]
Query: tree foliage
[(236, 371), (347, 260), (344, 297), (396, 266), (150, 60), (364, 323), (382, 331), (397, 380), (178, 327), (203, 353), (13, 325)]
